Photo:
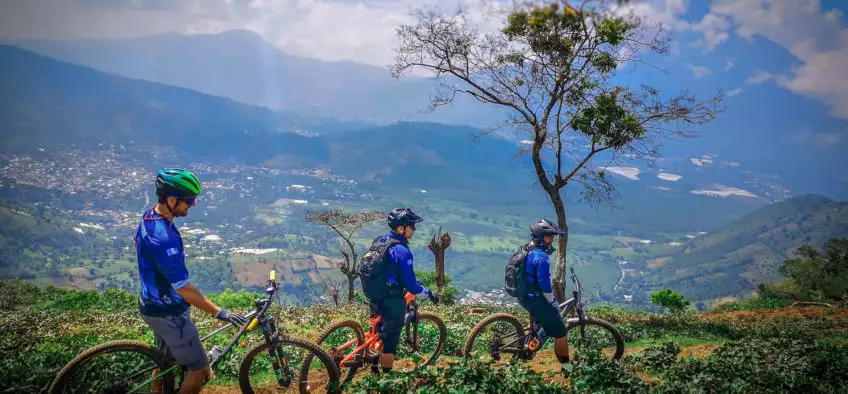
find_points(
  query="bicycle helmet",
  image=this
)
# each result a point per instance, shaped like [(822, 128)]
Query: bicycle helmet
[(543, 227), (402, 217), (177, 182)]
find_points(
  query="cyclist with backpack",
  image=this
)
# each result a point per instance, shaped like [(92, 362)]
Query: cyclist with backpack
[(528, 278), (385, 271)]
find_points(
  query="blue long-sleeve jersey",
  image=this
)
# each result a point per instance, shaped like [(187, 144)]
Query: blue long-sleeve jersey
[(403, 274), (538, 272)]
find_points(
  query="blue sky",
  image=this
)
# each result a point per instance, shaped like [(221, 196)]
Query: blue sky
[(782, 63)]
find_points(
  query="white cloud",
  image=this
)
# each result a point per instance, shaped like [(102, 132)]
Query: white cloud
[(699, 71), (817, 139), (734, 92), (729, 65), (759, 77), (818, 39), (714, 28)]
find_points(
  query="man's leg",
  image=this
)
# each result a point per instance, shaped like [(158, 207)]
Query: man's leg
[(548, 316), (392, 312), (183, 342)]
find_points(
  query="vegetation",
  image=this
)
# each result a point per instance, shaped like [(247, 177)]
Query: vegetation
[(670, 300), (552, 68), (798, 349)]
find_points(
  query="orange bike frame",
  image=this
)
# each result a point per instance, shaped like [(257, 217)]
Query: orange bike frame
[(372, 336)]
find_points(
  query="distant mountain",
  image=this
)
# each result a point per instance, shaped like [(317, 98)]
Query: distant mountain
[(243, 66), (730, 261), (45, 103)]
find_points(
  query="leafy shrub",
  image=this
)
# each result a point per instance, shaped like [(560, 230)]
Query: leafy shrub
[(670, 299), (591, 372), (427, 279), (231, 299), (464, 376), (757, 303), (655, 357), (19, 293)]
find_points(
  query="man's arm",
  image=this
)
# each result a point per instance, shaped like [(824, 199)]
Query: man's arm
[(194, 297), (403, 259), (543, 277)]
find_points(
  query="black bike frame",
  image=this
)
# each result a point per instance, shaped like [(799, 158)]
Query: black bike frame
[(564, 308)]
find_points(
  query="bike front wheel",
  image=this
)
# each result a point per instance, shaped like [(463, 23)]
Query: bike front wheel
[(319, 375), (420, 345), (594, 333), (493, 337), (115, 367)]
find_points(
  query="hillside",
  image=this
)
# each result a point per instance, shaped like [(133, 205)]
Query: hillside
[(730, 261), (49, 104), (243, 66)]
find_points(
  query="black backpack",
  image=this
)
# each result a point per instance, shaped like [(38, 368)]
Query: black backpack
[(515, 283), (373, 268)]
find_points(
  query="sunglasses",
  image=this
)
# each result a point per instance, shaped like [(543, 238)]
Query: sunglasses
[(190, 201)]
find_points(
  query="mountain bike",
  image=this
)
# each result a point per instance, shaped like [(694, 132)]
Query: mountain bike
[(422, 340), (133, 366), (510, 337)]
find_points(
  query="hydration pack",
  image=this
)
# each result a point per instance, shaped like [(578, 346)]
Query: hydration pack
[(515, 283), (373, 269)]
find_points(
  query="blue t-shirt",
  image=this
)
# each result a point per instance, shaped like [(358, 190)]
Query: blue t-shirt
[(538, 272), (161, 266), (400, 259)]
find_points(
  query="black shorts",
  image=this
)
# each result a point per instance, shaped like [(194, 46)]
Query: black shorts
[(392, 310), (544, 313)]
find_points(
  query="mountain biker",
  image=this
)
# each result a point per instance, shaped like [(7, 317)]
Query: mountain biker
[(539, 300), (166, 292), (400, 276)]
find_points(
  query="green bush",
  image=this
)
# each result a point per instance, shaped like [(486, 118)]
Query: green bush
[(670, 300), (17, 293), (231, 299), (463, 376), (427, 279)]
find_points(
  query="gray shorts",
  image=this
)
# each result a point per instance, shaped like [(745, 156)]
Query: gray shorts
[(177, 338)]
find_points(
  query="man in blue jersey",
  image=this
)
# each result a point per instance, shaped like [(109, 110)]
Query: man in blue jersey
[(166, 292), (400, 275), (540, 300)]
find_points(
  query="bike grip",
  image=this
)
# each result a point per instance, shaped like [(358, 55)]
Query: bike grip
[(273, 275), (253, 322)]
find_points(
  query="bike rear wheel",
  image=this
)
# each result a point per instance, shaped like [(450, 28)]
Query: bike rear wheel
[(594, 333), (113, 367), (319, 375), (487, 339)]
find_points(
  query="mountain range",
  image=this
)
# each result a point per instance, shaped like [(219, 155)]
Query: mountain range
[(241, 65)]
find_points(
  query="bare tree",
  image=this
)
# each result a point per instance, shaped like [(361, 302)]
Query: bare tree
[(332, 288), (437, 245), (346, 225), (551, 68)]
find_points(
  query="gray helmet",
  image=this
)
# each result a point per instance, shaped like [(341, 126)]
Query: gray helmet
[(540, 229)]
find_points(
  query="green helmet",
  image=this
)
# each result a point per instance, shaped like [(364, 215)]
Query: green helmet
[(177, 182)]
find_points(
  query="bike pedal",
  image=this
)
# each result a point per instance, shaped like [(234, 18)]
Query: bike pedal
[(356, 362)]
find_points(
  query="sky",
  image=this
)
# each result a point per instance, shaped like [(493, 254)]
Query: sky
[(783, 64)]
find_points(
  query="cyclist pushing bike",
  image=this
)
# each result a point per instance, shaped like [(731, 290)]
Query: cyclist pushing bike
[(385, 272), (166, 291)]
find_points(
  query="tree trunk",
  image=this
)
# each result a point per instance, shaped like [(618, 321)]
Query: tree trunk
[(559, 272), (351, 278)]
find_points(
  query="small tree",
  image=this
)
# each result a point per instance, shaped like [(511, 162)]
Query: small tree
[(346, 225), (552, 67), (669, 299), (437, 245), (332, 288), (820, 276)]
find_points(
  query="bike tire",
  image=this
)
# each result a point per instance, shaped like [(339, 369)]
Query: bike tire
[(443, 334), (503, 317), (336, 355), (62, 379), (574, 322), (312, 349)]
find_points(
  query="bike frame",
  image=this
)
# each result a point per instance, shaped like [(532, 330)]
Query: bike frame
[(372, 336), (565, 307), (269, 331)]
